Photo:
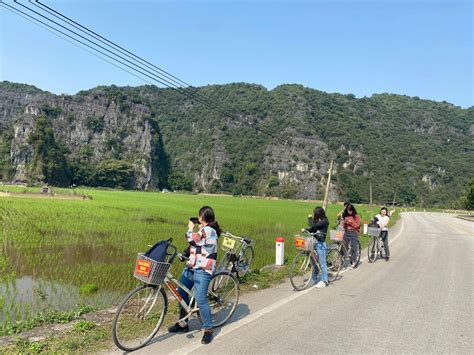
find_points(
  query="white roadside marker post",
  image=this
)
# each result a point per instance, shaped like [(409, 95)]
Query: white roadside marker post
[(280, 251)]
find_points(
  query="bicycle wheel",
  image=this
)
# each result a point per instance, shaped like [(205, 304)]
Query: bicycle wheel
[(139, 317), (382, 249), (334, 264), (372, 250), (223, 297), (245, 261), (301, 270), (344, 253)]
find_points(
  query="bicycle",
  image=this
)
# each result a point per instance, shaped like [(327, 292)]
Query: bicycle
[(239, 254), (141, 313), (301, 268), (376, 245), (344, 249)]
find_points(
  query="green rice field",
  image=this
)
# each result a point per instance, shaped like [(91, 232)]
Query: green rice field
[(60, 254)]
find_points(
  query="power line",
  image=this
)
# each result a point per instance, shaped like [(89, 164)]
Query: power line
[(34, 21), (166, 81), (103, 39), (25, 15), (124, 51)]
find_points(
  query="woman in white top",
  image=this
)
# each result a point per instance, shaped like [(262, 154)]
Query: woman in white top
[(383, 220)]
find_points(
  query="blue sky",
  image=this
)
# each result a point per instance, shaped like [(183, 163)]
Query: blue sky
[(415, 48)]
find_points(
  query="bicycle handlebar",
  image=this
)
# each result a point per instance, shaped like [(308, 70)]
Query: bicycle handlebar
[(315, 233), (182, 257)]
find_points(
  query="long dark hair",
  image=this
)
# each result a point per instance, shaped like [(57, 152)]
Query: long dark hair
[(319, 214), (386, 210), (207, 215), (349, 207)]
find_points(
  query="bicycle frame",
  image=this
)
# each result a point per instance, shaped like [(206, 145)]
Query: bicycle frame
[(244, 247), (313, 259), (235, 258), (343, 246), (173, 284), (380, 244)]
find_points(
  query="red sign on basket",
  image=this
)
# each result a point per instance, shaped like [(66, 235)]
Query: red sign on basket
[(143, 267), (299, 242)]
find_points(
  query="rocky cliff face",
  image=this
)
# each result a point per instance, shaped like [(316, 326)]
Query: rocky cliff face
[(109, 128), (404, 146)]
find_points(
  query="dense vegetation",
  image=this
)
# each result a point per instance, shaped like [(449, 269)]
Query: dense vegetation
[(410, 150), (467, 201)]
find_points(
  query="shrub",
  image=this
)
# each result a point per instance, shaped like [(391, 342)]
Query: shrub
[(88, 289)]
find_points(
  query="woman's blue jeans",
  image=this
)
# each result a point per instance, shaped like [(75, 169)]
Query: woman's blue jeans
[(320, 248), (200, 279)]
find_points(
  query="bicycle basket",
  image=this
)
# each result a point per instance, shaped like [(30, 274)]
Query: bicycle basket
[(336, 235), (304, 243), (150, 271), (231, 245), (373, 231)]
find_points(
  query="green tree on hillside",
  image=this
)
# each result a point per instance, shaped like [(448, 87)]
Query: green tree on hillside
[(49, 162), (467, 201), (6, 167), (82, 169), (179, 182), (114, 173)]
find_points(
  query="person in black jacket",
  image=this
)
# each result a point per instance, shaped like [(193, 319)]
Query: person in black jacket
[(318, 223)]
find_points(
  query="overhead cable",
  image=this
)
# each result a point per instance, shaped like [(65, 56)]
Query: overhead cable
[(157, 74)]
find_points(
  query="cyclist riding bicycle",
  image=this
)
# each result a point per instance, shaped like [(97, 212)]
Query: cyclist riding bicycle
[(200, 268), (319, 224)]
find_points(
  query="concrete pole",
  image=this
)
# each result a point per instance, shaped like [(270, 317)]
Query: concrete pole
[(370, 188), (326, 193)]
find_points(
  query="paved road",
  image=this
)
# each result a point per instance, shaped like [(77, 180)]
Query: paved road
[(419, 302)]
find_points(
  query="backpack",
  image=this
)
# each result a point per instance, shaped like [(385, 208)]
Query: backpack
[(374, 223), (159, 251)]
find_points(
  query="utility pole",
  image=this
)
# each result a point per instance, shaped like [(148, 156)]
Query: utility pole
[(394, 194), (370, 188), (326, 193)]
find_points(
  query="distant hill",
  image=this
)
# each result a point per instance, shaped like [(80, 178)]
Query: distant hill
[(146, 137)]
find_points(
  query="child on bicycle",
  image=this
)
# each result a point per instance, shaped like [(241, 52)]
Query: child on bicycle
[(200, 268), (351, 224), (383, 220), (318, 223)]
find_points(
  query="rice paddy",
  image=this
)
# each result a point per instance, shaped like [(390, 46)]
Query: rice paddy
[(61, 254)]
